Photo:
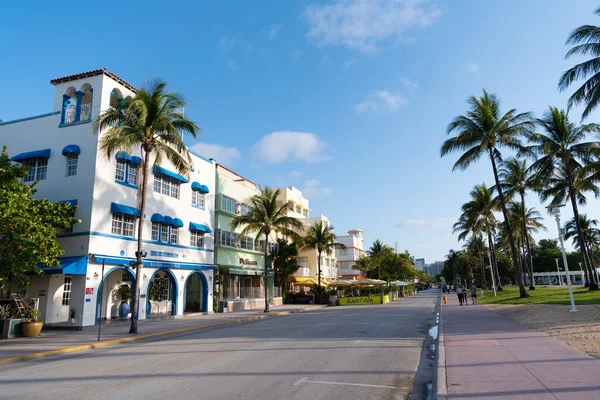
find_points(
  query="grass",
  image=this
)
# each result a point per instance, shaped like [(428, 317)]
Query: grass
[(541, 295)]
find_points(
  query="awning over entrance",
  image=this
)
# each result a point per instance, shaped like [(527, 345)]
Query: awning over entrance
[(69, 266), (242, 271)]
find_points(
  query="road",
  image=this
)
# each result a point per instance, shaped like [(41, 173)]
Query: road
[(359, 352)]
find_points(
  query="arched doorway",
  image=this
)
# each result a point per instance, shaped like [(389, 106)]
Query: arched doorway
[(162, 294), (108, 300), (196, 293)]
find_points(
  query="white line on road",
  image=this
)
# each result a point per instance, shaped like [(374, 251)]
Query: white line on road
[(305, 380)]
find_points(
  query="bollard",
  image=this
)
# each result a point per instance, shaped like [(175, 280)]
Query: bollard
[(445, 299)]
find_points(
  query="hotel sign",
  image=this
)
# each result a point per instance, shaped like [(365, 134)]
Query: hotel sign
[(245, 261)]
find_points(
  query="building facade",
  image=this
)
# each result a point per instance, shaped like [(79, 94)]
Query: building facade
[(347, 258), (420, 264), (240, 260), (64, 156)]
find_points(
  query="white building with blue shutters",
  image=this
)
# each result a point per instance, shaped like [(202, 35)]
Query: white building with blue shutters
[(62, 151)]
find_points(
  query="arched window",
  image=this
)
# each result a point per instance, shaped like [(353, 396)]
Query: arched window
[(77, 105)]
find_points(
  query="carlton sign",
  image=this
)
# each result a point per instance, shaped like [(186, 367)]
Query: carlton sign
[(245, 261)]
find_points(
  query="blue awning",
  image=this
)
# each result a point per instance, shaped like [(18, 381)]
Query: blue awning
[(120, 208), (157, 218), (135, 160), (177, 223), (68, 266), (32, 154), (199, 187), (123, 155), (168, 220), (71, 149), (72, 203), (160, 170), (199, 227)]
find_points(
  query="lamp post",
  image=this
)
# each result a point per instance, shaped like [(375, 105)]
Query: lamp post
[(492, 272), (558, 272), (554, 209), (581, 270)]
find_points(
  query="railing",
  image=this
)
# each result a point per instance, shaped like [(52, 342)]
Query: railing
[(86, 112), (302, 272), (70, 115), (276, 291), (244, 293)]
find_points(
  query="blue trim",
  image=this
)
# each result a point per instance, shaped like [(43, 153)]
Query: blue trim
[(71, 149), (45, 153), (79, 95), (123, 155), (121, 208), (129, 185), (69, 266), (199, 227), (131, 278), (160, 170), (135, 160), (204, 296), (199, 187), (177, 223), (151, 262), (130, 239), (198, 207), (15, 121), (175, 295), (74, 123), (157, 218), (208, 160)]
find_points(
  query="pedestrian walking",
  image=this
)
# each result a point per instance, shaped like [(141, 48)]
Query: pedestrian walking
[(473, 292), (451, 288), (459, 293), (447, 288)]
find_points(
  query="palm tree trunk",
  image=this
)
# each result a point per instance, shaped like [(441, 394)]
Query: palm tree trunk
[(266, 279), (593, 280), (135, 303), (482, 263), (494, 266), (511, 239), (527, 244), (590, 260), (318, 291)]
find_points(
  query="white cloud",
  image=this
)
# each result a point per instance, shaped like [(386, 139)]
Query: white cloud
[(365, 24), (296, 54), (295, 173), (425, 223), (223, 155), (231, 65), (226, 43), (382, 101), (312, 188), (277, 147), (272, 31), (472, 68), (349, 62), (409, 84)]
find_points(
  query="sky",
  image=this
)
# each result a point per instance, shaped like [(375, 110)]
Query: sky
[(346, 100)]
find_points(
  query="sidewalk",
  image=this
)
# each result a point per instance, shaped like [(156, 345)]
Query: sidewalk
[(489, 356), (114, 332)]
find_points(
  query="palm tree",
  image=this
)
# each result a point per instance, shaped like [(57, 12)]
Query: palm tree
[(378, 251), (516, 181), (475, 244), (152, 122), (267, 215), (320, 237), (591, 234), (480, 132), (466, 226), (478, 215), (585, 41), (364, 264), (564, 152)]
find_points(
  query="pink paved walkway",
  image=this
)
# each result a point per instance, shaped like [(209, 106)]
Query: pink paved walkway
[(489, 356)]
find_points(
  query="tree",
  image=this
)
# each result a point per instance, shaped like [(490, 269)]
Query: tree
[(266, 216), (480, 132), (285, 262), (398, 267), (364, 264), (564, 152), (28, 226), (585, 41), (516, 181), (320, 237), (152, 122), (591, 235), (378, 251)]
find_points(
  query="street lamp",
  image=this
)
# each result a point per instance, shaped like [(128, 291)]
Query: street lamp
[(554, 209), (558, 273), (492, 272)]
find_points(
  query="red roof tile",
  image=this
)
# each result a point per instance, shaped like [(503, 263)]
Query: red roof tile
[(101, 71)]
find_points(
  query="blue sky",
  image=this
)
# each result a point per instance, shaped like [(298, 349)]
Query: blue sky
[(346, 100)]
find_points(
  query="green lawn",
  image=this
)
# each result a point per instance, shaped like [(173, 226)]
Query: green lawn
[(541, 295)]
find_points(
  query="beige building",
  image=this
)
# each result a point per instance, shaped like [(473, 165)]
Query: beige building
[(347, 258)]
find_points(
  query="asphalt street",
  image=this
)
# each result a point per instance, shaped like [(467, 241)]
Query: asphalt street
[(358, 352)]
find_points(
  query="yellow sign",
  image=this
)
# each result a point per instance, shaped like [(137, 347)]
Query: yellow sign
[(362, 300)]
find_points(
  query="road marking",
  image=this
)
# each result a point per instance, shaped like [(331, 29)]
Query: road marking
[(305, 380)]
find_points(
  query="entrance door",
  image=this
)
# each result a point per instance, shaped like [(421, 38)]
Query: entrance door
[(193, 294)]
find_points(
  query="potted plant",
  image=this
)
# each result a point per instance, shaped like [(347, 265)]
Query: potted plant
[(124, 293), (31, 326), (10, 324)]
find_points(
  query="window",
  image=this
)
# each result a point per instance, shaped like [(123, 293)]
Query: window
[(164, 233), (227, 238), (123, 224), (121, 168), (228, 204), (125, 277), (166, 185), (174, 234), (246, 243), (164, 285), (245, 209), (72, 164), (197, 198), (298, 210), (302, 262), (66, 297), (305, 213), (126, 172), (38, 168), (132, 175), (196, 239), (343, 252), (259, 245), (155, 230)]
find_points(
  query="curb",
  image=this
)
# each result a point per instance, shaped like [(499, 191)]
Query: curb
[(441, 378), (97, 345)]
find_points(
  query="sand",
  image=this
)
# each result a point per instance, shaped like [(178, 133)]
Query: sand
[(580, 330)]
